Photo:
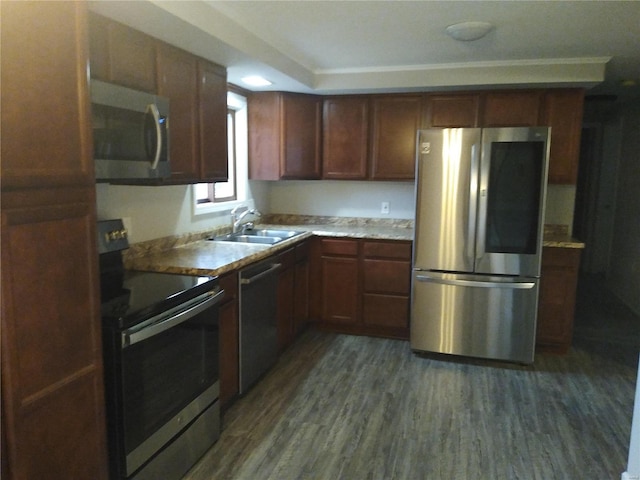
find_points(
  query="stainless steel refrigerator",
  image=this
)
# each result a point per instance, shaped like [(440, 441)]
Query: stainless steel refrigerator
[(480, 197)]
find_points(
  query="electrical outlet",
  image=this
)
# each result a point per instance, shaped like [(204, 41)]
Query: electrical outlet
[(385, 208)]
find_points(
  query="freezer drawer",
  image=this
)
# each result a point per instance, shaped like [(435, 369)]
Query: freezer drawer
[(478, 316)]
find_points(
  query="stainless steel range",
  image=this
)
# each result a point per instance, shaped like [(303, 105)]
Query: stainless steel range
[(161, 364)]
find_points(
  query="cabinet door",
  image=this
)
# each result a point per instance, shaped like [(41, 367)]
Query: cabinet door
[(301, 126), (301, 287), (132, 58), (395, 122), (229, 340), (556, 307), (339, 289), (345, 138), (511, 109), (213, 122), (286, 281), (45, 114), (453, 111), (52, 395), (563, 113), (178, 81), (264, 135)]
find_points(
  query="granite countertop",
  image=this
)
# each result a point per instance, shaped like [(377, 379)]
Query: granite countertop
[(194, 255)]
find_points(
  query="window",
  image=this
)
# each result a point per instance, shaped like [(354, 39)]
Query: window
[(216, 196)]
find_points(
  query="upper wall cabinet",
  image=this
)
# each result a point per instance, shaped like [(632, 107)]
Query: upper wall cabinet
[(395, 121), (284, 136), (178, 81), (195, 87), (122, 55), (212, 98), (345, 128), (53, 147), (453, 111), (562, 111), (511, 109)]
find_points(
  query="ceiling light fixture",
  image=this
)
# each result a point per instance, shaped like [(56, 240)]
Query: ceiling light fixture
[(256, 81), (468, 31)]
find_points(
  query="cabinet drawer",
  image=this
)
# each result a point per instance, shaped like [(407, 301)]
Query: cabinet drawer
[(385, 276), (332, 246), (385, 310), (401, 250)]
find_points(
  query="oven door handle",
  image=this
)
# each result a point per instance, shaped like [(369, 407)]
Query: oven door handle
[(164, 322)]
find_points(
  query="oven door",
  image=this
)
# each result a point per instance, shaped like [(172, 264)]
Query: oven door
[(165, 375)]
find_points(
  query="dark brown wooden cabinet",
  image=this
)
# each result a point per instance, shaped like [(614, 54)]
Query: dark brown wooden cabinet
[(386, 271), (45, 111), (301, 287), (178, 81), (52, 382), (453, 111), (345, 127), (512, 109), (395, 121), (364, 287), (196, 89), (340, 289), (212, 101), (229, 340), (122, 55), (562, 111), (284, 136), (286, 282), (556, 306)]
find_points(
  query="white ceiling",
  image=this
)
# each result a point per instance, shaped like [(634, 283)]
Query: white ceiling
[(368, 46)]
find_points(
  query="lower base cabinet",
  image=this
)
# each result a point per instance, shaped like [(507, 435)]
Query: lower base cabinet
[(229, 340), (556, 305), (53, 423), (293, 294), (364, 286)]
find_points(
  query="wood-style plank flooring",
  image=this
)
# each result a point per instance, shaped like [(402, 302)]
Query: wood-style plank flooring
[(346, 407)]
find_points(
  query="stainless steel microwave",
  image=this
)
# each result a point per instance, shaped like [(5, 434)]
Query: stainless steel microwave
[(130, 133)]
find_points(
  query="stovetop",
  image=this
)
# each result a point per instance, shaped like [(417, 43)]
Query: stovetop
[(129, 297)]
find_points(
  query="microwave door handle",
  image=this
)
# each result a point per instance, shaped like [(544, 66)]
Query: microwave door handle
[(153, 110)]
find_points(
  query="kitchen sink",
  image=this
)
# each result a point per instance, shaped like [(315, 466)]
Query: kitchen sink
[(248, 239), (264, 237), (283, 234)]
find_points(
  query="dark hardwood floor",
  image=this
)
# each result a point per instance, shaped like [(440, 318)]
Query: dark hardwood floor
[(345, 407)]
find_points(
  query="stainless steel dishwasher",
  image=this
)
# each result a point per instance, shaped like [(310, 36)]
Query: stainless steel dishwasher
[(258, 329)]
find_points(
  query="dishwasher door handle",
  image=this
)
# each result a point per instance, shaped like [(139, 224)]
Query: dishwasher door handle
[(255, 278)]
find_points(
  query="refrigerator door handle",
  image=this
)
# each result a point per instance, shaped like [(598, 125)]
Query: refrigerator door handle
[(512, 284), (483, 197), (473, 203)]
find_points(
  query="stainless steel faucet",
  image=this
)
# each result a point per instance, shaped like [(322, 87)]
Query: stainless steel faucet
[(236, 220)]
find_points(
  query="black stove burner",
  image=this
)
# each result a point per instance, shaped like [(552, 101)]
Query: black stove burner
[(131, 297)]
